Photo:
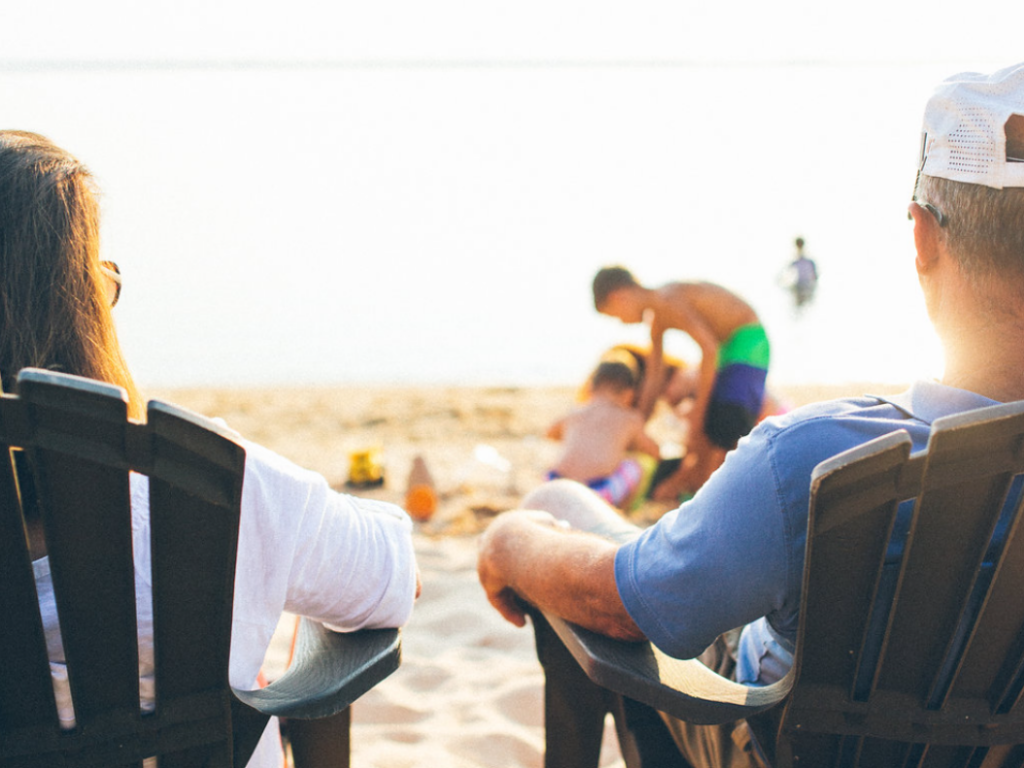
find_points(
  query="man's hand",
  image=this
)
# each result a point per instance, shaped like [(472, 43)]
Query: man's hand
[(530, 556), (683, 480), (669, 490), (496, 551), (697, 442)]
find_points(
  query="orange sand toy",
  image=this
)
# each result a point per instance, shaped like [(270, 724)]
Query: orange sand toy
[(421, 497)]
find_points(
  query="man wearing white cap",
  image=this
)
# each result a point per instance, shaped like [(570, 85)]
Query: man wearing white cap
[(733, 555)]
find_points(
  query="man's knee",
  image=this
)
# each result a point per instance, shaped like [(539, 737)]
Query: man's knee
[(556, 495), (580, 507)]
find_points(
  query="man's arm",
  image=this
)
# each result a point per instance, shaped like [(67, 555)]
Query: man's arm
[(557, 430), (654, 371), (696, 442), (569, 573), (708, 343)]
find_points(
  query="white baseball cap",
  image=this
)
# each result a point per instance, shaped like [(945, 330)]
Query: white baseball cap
[(965, 129)]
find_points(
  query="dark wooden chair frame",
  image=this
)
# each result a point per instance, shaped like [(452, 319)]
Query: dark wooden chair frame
[(70, 448), (911, 642)]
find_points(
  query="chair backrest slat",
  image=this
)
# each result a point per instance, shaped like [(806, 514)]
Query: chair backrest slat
[(856, 546), (1013, 756), (194, 531), (987, 446), (89, 543), (993, 663), (941, 565), (26, 688), (89, 547)]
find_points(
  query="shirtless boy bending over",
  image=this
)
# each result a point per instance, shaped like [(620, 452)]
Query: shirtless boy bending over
[(599, 435), (734, 362)]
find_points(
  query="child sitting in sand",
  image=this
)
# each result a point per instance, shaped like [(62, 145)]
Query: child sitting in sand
[(599, 434)]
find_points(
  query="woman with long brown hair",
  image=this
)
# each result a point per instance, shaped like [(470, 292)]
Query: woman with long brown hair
[(55, 292), (302, 547)]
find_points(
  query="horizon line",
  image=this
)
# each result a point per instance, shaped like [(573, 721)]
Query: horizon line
[(242, 64)]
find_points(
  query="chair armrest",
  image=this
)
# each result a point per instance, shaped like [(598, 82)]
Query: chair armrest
[(330, 670), (686, 690)]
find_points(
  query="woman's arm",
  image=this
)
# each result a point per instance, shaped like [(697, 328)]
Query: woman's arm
[(305, 548)]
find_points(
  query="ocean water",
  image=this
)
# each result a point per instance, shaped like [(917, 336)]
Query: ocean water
[(426, 223)]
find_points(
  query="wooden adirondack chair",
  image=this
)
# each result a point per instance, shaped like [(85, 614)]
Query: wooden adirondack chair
[(73, 447), (911, 642)]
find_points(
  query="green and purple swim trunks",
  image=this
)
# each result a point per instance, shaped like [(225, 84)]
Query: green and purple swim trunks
[(738, 394)]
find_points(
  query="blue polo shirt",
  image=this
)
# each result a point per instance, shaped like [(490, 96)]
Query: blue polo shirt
[(733, 556)]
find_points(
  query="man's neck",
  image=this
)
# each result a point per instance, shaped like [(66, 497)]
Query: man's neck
[(988, 359)]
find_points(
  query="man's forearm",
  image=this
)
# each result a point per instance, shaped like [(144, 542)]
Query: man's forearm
[(702, 397), (568, 573), (654, 374)]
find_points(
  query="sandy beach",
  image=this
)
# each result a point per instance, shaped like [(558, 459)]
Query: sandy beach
[(469, 692)]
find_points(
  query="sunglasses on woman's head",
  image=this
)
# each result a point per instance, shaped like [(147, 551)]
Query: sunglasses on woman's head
[(110, 269)]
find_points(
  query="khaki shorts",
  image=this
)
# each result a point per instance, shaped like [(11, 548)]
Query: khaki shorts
[(731, 745)]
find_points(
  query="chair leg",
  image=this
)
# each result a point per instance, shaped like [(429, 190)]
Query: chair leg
[(323, 743), (644, 740), (574, 707), (628, 747)]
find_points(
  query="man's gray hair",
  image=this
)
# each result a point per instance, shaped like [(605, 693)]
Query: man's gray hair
[(984, 229)]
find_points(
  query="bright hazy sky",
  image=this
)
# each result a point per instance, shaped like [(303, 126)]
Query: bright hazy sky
[(530, 30)]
